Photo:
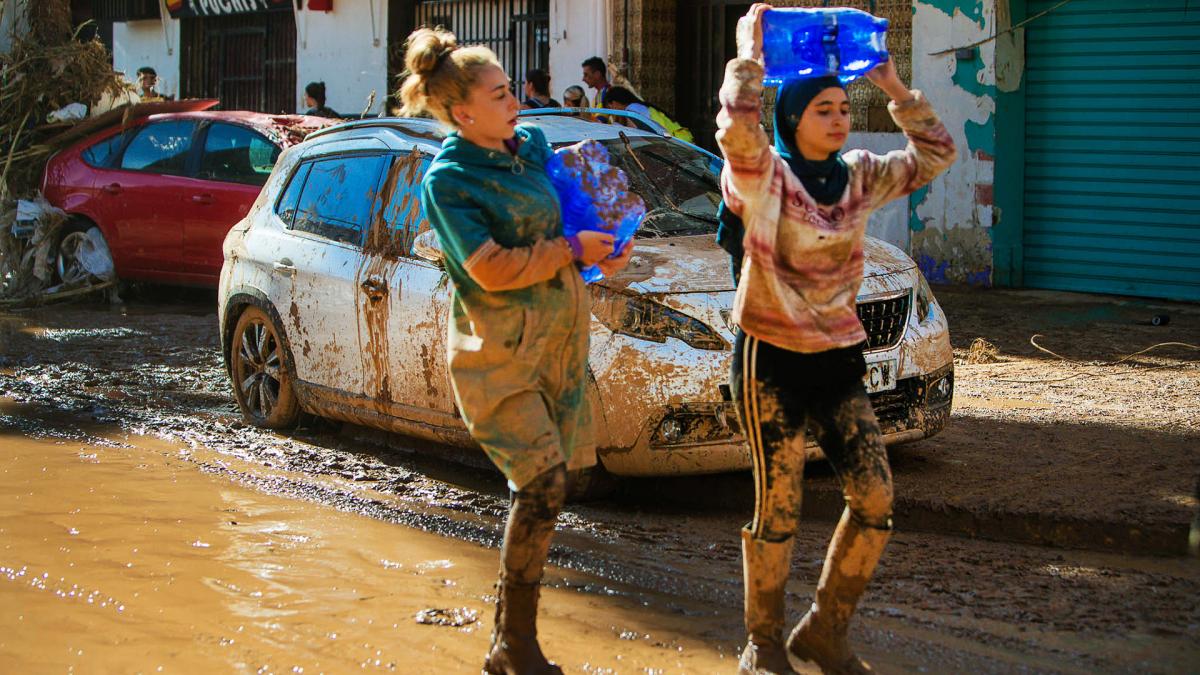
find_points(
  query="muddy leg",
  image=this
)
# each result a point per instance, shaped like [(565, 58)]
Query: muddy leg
[(849, 434), (774, 424), (527, 535)]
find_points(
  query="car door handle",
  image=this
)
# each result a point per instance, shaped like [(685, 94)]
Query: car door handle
[(374, 287), (112, 188), (285, 266), (202, 199)]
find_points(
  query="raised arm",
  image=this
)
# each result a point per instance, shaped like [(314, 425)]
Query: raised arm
[(749, 164), (930, 149)]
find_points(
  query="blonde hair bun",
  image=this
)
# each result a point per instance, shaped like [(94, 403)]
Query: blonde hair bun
[(440, 73), (426, 48)]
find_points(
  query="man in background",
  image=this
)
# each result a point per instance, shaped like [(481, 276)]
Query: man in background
[(595, 75), (147, 79)]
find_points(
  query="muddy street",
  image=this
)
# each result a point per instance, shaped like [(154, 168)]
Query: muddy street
[(1042, 531)]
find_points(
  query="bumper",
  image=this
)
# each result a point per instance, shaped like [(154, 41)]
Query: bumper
[(695, 438)]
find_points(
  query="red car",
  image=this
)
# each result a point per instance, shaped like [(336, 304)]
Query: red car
[(164, 189)]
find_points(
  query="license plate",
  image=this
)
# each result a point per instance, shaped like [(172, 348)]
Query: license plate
[(881, 376)]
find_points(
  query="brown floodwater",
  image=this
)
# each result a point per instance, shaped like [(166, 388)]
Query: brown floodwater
[(118, 553)]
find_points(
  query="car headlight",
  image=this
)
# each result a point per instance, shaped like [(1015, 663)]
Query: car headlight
[(642, 318), (924, 298)]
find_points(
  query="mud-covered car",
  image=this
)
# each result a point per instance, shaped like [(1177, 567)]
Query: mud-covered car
[(333, 301)]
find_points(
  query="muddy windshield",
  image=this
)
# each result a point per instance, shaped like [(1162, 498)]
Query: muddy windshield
[(677, 182)]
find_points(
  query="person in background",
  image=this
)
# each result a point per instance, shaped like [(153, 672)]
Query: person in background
[(574, 97), (620, 98), (595, 75), (147, 79), (537, 90), (520, 316), (798, 353), (314, 98)]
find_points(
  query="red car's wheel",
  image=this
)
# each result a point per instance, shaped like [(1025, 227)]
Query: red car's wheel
[(68, 260), (259, 368)]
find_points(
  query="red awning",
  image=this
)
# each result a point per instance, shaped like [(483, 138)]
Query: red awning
[(188, 8)]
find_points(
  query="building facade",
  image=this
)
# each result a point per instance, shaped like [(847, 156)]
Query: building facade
[(1078, 132)]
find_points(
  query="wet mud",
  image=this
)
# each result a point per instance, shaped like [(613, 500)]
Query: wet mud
[(145, 383), (124, 553)]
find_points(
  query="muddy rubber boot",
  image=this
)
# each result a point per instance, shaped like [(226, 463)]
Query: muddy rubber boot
[(820, 637), (515, 649), (527, 534), (765, 569)]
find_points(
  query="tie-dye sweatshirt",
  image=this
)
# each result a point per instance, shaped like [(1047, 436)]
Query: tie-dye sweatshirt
[(804, 261)]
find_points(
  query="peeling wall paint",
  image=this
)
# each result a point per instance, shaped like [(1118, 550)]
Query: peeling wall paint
[(952, 217)]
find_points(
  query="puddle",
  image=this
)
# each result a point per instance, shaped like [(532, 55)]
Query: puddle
[(118, 554)]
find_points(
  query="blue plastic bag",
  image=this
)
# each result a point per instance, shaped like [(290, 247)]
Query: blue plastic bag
[(595, 196)]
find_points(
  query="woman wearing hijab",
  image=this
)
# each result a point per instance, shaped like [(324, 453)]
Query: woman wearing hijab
[(798, 357)]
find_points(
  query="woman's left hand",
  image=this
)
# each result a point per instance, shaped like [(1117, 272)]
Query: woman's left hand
[(610, 266), (884, 76)]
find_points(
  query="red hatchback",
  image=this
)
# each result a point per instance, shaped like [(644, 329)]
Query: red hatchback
[(164, 189)]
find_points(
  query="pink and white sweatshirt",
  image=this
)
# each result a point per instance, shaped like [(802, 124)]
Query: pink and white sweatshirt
[(803, 261)]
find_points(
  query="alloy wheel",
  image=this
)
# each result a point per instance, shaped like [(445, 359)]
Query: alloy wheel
[(258, 372), (69, 266)]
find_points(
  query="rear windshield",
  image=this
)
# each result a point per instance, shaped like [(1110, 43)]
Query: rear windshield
[(678, 183)]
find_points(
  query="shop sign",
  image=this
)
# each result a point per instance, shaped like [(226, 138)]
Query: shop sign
[(188, 8)]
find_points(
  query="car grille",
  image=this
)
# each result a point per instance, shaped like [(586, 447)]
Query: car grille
[(884, 321)]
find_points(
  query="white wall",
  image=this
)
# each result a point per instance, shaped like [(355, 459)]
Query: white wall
[(340, 49), (147, 43), (578, 30), (889, 223)]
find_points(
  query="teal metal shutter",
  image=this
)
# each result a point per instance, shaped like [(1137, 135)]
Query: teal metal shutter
[(1112, 147)]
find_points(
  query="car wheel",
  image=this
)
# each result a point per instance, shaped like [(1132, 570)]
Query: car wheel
[(259, 368), (68, 263)]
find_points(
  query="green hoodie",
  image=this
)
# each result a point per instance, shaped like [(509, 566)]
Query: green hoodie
[(521, 314)]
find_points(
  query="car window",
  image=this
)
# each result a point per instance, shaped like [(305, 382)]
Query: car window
[(337, 197), (238, 155), (101, 154), (286, 207), (403, 214), (161, 147)]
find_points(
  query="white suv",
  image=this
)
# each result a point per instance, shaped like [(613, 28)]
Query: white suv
[(327, 306)]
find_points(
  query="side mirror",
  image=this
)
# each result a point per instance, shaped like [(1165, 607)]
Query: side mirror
[(427, 247)]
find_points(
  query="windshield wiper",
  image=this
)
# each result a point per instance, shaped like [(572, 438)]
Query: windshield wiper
[(629, 147)]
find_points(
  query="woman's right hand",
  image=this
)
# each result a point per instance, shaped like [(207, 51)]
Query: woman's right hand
[(749, 33), (593, 246)]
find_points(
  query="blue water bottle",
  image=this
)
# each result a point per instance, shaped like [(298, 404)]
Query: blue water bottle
[(800, 43)]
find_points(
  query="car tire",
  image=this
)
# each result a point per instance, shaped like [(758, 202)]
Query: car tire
[(69, 269), (260, 372)]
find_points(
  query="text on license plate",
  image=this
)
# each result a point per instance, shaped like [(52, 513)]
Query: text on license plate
[(881, 376)]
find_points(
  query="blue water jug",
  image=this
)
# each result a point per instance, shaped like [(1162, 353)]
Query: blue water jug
[(594, 195), (801, 43)]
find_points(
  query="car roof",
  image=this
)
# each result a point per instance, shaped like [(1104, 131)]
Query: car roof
[(400, 133), (261, 121)]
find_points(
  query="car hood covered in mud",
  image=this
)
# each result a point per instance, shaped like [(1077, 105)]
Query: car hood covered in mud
[(697, 265)]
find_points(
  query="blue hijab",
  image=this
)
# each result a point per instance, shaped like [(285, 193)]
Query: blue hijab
[(824, 179)]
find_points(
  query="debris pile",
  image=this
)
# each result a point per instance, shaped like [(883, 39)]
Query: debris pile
[(982, 351), (49, 79)]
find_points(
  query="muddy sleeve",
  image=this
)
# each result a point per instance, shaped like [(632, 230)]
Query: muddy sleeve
[(496, 268), (930, 151), (749, 164)]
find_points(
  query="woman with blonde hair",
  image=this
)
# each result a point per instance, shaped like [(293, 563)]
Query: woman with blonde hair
[(520, 315)]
